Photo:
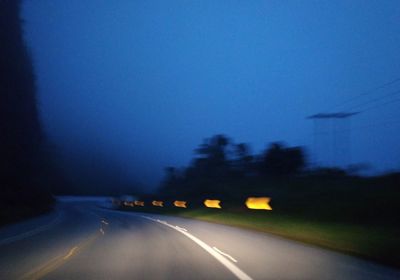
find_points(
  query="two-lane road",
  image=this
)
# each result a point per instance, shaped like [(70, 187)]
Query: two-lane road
[(82, 241)]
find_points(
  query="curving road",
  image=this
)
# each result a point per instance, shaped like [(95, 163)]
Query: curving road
[(82, 241)]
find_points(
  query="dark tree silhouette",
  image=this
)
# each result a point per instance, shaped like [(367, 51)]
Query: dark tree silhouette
[(22, 154), (212, 157), (243, 161), (222, 167), (170, 178), (278, 160)]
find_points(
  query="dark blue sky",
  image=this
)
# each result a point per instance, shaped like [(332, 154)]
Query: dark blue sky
[(139, 84)]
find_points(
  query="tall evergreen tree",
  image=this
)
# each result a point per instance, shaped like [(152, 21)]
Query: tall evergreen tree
[(21, 137)]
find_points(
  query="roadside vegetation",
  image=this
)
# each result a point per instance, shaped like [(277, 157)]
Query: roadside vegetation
[(328, 207), (26, 172)]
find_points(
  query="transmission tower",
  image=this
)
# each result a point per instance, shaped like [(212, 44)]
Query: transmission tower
[(332, 139)]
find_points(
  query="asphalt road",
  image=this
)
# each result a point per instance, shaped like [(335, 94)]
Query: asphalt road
[(83, 241)]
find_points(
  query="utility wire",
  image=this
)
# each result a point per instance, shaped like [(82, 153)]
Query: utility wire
[(368, 92), (388, 122), (382, 104), (375, 100)]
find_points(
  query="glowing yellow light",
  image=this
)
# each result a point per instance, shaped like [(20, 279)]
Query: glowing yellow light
[(139, 203), (260, 203), (157, 203), (212, 203), (179, 203)]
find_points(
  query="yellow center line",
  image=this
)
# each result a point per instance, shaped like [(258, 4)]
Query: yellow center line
[(56, 262), (71, 253)]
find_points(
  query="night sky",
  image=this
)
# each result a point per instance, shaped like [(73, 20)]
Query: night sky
[(134, 86)]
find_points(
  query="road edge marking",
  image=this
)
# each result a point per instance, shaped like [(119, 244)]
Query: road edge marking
[(225, 254), (240, 274), (181, 228)]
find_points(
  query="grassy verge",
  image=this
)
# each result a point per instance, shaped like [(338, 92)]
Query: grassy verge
[(377, 243)]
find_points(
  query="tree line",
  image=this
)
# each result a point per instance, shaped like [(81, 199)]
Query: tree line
[(225, 170), (219, 161)]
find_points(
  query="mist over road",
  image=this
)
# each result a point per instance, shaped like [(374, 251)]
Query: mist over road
[(83, 241)]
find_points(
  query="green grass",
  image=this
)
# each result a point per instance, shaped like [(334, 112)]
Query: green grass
[(354, 215), (377, 243)]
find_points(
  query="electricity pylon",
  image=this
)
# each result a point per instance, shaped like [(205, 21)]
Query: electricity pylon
[(332, 135)]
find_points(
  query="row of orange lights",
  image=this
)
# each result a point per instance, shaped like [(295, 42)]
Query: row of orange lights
[(258, 203)]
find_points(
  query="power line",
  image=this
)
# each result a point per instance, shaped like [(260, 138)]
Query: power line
[(391, 121), (375, 100), (368, 92), (382, 104)]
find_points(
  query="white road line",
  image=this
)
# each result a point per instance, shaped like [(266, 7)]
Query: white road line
[(33, 231), (102, 231), (225, 254), (233, 268), (181, 228), (161, 222)]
